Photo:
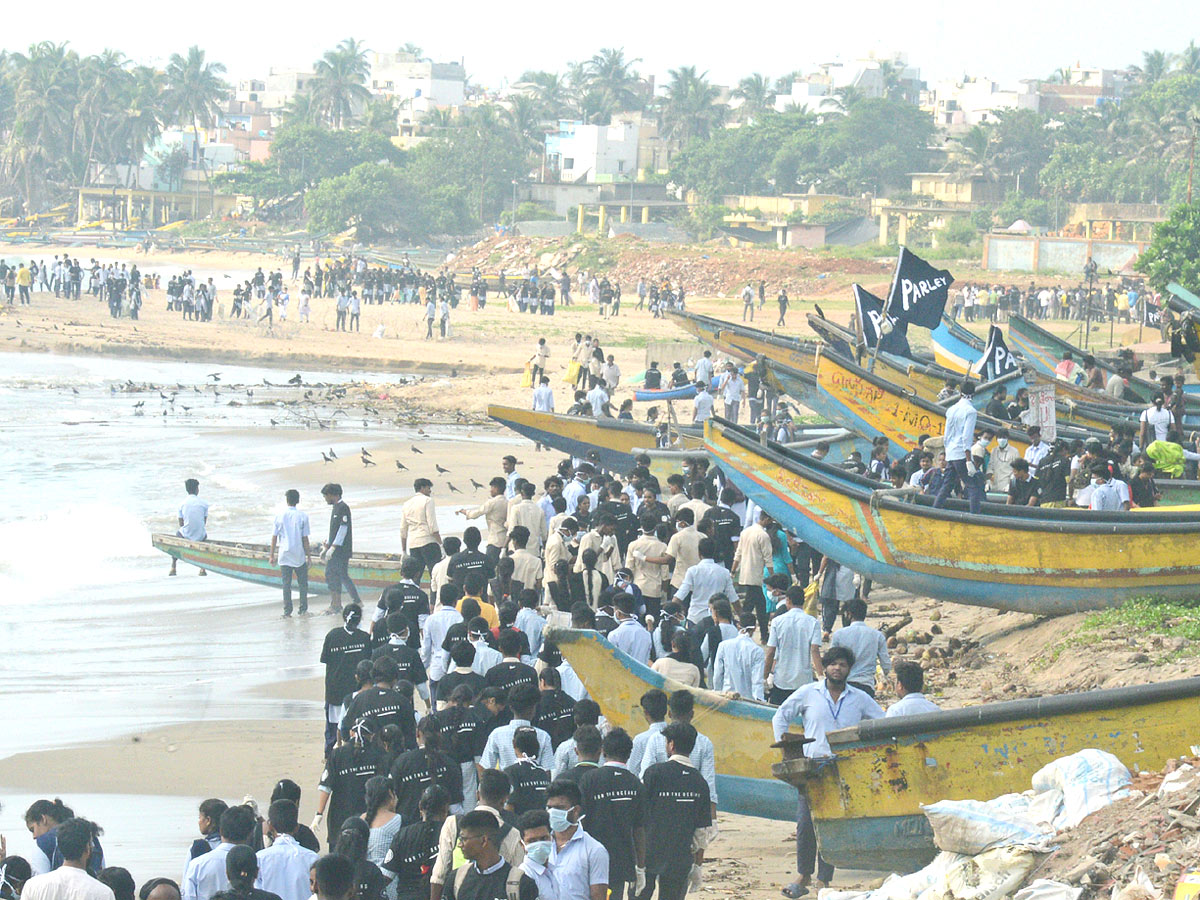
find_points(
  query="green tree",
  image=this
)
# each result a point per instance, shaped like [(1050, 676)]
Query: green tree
[(756, 95), (380, 116), (195, 90), (370, 198), (1174, 251), (690, 107), (339, 82)]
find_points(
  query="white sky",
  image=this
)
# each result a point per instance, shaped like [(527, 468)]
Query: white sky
[(945, 38)]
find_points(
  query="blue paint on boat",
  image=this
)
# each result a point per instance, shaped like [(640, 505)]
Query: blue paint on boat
[(845, 843)]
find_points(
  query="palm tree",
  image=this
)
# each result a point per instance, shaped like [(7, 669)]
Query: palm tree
[(1189, 60), (380, 115), (843, 98), (690, 105), (301, 108), (1155, 66), (142, 118), (45, 92), (339, 82), (609, 85), (524, 118), (104, 81), (756, 95), (194, 92), (973, 153), (550, 90), (1061, 75)]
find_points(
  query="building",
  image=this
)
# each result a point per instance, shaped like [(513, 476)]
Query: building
[(593, 154), (275, 91), (1083, 88), (422, 83), (954, 189), (805, 96), (975, 101)]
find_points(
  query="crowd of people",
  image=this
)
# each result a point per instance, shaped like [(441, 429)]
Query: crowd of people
[(981, 302)]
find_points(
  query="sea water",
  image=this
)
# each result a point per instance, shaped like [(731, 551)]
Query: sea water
[(98, 640)]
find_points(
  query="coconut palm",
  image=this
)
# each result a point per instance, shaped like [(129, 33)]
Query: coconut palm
[(1155, 66), (45, 87), (525, 119), (301, 108), (141, 121), (104, 84), (756, 95), (843, 98), (339, 82), (612, 76), (974, 153), (550, 90), (1189, 60), (380, 115), (194, 93), (689, 108)]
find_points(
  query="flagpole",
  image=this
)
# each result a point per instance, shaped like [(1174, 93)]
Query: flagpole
[(887, 303)]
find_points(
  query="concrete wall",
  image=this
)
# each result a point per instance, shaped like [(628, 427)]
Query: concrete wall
[(1020, 253)]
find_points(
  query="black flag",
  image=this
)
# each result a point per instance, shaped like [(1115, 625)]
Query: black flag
[(918, 294), (1151, 313), (996, 361), (890, 337)]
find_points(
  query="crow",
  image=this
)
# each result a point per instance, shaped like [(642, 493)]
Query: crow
[(475, 484), (453, 489), (295, 379), (366, 452), (215, 376), (185, 408), (332, 455), (401, 466), (367, 461), (414, 449), (273, 423), (326, 458), (75, 391), (139, 404), (441, 471)]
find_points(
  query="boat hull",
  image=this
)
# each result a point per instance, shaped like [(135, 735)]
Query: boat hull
[(614, 441), (867, 805), (1005, 558), (252, 563)]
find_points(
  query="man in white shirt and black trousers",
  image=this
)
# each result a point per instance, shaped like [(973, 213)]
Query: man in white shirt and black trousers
[(289, 547), (959, 436)]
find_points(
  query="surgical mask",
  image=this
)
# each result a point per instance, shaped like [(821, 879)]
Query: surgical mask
[(560, 820), (1003, 442), (539, 852)]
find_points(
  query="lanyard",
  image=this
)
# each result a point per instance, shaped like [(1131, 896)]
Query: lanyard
[(834, 709)]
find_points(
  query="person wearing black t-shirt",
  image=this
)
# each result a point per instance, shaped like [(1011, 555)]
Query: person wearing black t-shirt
[(382, 704), (1022, 489), (510, 671), (343, 650), (338, 548), (352, 844), (342, 792), (726, 526), (614, 814), (462, 655), (415, 770), (406, 597), (677, 816), (407, 658), (529, 780), (469, 560), (485, 875), (1053, 473), (555, 709), (414, 848)]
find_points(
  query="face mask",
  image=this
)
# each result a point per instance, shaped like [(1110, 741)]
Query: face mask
[(560, 820), (1003, 442), (539, 852), (1097, 482)]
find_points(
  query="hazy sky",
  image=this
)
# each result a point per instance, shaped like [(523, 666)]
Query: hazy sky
[(1002, 40)]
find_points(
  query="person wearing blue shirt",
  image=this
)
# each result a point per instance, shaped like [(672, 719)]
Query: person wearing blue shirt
[(630, 636), (958, 438), (822, 706), (909, 679)]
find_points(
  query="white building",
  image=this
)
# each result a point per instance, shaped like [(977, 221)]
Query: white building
[(593, 154), (410, 78), (806, 96), (275, 91), (976, 101)]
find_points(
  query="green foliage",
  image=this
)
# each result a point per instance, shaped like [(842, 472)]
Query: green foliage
[(529, 212), (957, 231), (704, 220), (370, 197), (837, 211), (1174, 251), (1034, 210), (1149, 616)]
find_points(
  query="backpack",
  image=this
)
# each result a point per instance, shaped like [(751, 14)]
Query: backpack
[(512, 884), (459, 861)]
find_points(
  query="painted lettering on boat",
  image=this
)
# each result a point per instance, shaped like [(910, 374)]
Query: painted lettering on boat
[(911, 417), (854, 385)]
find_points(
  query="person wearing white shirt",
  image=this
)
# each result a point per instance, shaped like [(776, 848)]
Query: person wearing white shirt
[(958, 438), (71, 880), (1000, 463), (739, 664), (702, 405), (732, 387), (793, 653), (205, 875), (598, 398), (526, 512), (704, 369), (654, 711), (575, 489), (1037, 450), (578, 862), (704, 581), (193, 518), (498, 753), (290, 549), (485, 657), (1106, 496), (543, 396), (611, 373), (630, 636), (681, 705), (1156, 422), (283, 866), (822, 706), (530, 622), (909, 680), (419, 533), (508, 465), (436, 627), (868, 645), (495, 514)]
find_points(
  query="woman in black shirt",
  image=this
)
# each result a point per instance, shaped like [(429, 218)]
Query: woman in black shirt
[(417, 769), (415, 847), (352, 843)]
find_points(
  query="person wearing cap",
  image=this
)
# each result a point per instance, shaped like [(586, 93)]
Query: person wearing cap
[(508, 465)]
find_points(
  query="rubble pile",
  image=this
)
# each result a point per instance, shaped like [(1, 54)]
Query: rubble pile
[(1137, 848), (707, 271)]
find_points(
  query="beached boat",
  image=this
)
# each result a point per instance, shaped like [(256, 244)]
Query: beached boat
[(867, 802), (612, 440), (1021, 559), (252, 562), (683, 392)]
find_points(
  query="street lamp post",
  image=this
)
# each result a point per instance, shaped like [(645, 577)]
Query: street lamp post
[(513, 221), (1089, 270)]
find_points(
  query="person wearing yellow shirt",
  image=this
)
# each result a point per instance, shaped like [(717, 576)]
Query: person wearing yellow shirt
[(473, 586)]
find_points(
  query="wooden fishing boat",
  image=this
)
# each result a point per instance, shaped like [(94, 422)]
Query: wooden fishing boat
[(683, 392), (866, 802), (1022, 559), (747, 343), (612, 440), (252, 562)]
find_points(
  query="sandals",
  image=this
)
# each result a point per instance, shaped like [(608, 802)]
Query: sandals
[(795, 890)]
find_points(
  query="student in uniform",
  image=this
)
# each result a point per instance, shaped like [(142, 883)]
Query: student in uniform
[(414, 848), (493, 793), (529, 780), (399, 649), (578, 862), (678, 814), (336, 554), (428, 764), (209, 823), (342, 791), (290, 549), (193, 518), (283, 867), (486, 875), (614, 814), (343, 650)]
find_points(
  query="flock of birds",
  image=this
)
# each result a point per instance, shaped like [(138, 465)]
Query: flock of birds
[(308, 410)]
